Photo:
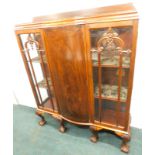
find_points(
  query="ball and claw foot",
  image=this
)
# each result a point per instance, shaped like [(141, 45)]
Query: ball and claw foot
[(62, 129), (42, 122), (93, 139), (125, 148)]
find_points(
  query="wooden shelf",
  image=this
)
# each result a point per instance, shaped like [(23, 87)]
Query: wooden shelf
[(43, 83)]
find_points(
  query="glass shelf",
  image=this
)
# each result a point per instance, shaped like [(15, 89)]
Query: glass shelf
[(24, 50), (110, 61), (43, 83), (110, 92), (110, 66), (47, 105), (38, 59)]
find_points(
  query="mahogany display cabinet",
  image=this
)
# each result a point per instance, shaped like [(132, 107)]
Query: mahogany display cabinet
[(80, 66)]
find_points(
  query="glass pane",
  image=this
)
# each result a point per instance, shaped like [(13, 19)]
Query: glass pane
[(95, 81), (122, 117), (94, 56), (126, 59), (109, 87), (109, 41), (124, 84), (38, 44), (109, 114), (44, 94), (111, 52), (96, 102), (35, 54)]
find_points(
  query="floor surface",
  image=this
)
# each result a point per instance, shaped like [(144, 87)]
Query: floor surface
[(32, 139)]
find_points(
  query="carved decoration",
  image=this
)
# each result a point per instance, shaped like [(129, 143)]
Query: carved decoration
[(31, 44), (110, 43)]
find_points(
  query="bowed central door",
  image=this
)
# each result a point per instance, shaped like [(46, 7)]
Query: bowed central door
[(66, 58)]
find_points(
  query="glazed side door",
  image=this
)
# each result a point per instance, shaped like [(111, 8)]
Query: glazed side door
[(66, 57), (112, 50), (32, 49)]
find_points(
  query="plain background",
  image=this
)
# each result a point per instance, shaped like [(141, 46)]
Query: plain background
[(14, 85)]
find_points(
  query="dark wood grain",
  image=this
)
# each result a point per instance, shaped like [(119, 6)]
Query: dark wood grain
[(68, 67)]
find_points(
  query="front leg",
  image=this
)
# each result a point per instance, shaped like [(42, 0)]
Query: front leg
[(62, 128), (42, 121), (94, 138), (125, 146)]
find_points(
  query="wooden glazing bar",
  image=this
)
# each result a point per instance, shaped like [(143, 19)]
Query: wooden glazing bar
[(45, 75), (88, 55), (119, 88), (99, 85), (34, 75), (131, 74)]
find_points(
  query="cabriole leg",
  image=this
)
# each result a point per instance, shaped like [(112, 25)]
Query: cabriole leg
[(125, 139), (42, 121), (125, 146), (62, 128), (94, 138)]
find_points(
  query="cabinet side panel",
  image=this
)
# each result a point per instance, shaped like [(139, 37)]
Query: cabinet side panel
[(66, 57)]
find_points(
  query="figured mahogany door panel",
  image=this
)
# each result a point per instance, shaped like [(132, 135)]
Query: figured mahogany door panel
[(66, 58)]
